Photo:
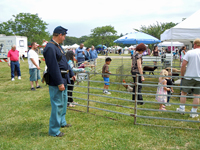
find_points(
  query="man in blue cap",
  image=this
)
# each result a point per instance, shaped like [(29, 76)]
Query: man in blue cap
[(57, 63), (80, 54)]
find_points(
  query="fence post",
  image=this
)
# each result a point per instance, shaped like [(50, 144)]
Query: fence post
[(88, 96), (94, 66), (136, 95)]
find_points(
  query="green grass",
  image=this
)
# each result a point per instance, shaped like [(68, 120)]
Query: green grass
[(24, 119)]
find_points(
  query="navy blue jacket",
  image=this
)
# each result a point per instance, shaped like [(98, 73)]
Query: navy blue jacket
[(87, 55), (52, 54)]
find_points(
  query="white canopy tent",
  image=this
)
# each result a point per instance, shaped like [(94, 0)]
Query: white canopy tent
[(170, 44), (187, 30), (74, 46)]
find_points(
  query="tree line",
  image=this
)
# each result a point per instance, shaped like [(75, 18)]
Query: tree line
[(34, 28)]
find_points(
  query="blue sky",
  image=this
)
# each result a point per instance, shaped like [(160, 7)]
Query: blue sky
[(79, 16)]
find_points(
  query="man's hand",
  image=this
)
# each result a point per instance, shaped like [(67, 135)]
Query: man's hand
[(83, 52), (38, 67), (74, 78), (61, 87), (9, 64)]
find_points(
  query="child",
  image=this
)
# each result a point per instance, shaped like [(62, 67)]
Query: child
[(162, 90), (87, 66), (105, 69), (70, 58), (169, 82)]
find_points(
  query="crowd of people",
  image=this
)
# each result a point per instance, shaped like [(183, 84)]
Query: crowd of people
[(61, 75), (189, 68)]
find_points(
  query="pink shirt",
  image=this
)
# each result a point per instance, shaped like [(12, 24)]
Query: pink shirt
[(14, 55)]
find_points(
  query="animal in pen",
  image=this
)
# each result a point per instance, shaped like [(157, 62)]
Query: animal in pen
[(149, 69)]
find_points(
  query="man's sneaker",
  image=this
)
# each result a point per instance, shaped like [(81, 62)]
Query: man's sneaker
[(180, 110), (106, 92), (33, 89), (13, 79), (38, 87), (19, 77), (193, 115)]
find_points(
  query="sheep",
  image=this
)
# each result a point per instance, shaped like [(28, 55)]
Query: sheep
[(175, 72), (173, 69), (150, 69)]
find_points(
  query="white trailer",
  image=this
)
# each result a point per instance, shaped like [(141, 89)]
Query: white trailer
[(6, 43)]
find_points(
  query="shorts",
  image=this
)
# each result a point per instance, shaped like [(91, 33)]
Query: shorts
[(106, 79), (34, 74), (193, 83)]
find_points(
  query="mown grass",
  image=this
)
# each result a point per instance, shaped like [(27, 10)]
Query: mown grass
[(24, 119)]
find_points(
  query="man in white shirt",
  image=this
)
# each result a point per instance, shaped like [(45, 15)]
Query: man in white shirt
[(192, 61), (34, 68)]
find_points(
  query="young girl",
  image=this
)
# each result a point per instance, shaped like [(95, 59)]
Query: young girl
[(70, 58), (162, 90)]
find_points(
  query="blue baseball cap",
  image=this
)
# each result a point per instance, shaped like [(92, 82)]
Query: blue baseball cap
[(60, 30)]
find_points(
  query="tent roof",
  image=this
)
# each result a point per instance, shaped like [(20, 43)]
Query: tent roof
[(190, 22), (187, 30), (169, 44)]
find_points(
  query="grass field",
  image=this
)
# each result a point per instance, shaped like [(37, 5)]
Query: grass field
[(24, 119)]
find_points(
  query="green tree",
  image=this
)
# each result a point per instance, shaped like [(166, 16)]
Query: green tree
[(156, 29), (103, 35), (26, 24)]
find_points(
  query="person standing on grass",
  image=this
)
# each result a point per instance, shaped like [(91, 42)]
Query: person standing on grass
[(170, 83), (162, 90), (80, 54), (136, 68), (56, 62), (70, 60), (87, 54), (93, 56), (14, 62), (192, 61), (34, 68), (105, 69), (156, 53)]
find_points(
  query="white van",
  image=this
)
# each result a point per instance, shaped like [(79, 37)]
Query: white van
[(6, 43)]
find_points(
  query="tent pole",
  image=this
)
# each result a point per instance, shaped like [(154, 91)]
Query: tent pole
[(171, 52)]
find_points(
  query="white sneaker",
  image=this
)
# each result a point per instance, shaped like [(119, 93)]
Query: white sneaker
[(193, 115), (167, 104), (181, 110), (19, 77), (13, 79), (106, 92)]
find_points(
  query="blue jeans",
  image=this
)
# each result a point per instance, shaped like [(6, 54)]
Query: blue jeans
[(13, 65), (80, 60), (59, 101)]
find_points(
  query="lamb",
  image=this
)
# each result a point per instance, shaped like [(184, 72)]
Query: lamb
[(175, 72), (150, 69), (173, 69)]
